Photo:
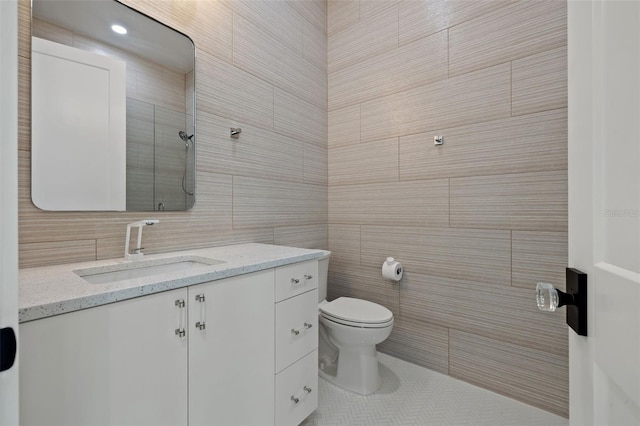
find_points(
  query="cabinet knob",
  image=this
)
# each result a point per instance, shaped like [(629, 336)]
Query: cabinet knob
[(200, 298), (307, 325), (308, 277), (200, 325), (180, 303), (295, 332), (295, 281), (180, 332)]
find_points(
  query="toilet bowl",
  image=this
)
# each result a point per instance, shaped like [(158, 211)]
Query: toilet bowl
[(350, 329)]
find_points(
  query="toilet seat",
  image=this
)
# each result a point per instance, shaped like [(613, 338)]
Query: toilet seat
[(357, 313)]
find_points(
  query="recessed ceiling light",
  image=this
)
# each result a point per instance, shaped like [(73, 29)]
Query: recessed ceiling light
[(119, 29)]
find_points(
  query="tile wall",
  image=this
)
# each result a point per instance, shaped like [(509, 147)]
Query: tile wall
[(260, 66), (476, 221)]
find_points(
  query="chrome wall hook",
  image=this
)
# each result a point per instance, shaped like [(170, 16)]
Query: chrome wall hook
[(235, 132)]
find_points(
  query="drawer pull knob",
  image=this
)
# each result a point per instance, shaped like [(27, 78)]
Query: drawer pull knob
[(180, 303), (306, 391), (307, 325), (308, 277), (295, 332), (200, 325), (200, 298), (295, 281), (180, 332)]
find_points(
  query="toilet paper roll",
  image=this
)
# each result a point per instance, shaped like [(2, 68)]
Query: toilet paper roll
[(391, 269)]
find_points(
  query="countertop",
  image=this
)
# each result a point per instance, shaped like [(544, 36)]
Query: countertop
[(52, 290)]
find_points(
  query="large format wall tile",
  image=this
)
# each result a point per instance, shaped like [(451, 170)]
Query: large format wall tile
[(521, 29), (476, 255), (254, 51), (424, 203), (33, 254), (522, 201), (475, 97), (314, 44), (314, 11), (532, 376), (315, 165), (262, 203), (540, 82), (369, 162), (257, 153), (341, 14), (412, 65), (344, 243), (420, 18), (305, 236), (344, 126), (368, 37), (279, 19), (229, 92), (371, 7), (534, 142), (299, 119), (504, 313), (418, 342), (539, 257)]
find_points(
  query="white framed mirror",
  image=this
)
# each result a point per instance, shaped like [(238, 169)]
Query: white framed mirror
[(113, 109)]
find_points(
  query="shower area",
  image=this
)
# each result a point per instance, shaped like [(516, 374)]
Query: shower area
[(160, 158)]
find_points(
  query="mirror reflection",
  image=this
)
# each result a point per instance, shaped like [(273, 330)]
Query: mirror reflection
[(92, 149)]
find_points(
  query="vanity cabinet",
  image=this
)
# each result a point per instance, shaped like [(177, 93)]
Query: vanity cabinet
[(235, 351), (231, 351), (116, 364), (296, 320)]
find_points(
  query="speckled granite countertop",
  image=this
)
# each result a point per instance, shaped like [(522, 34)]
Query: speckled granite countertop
[(54, 290)]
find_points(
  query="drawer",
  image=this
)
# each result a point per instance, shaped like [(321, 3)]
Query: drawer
[(296, 279), (296, 328), (300, 381)]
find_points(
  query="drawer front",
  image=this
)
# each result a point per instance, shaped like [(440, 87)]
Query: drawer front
[(295, 279), (297, 391), (296, 328)]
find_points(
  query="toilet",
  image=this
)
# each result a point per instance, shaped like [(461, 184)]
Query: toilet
[(349, 331)]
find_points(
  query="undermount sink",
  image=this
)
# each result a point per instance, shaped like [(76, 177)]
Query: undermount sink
[(143, 268)]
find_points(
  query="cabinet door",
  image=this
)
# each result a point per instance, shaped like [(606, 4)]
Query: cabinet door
[(231, 360), (117, 364)]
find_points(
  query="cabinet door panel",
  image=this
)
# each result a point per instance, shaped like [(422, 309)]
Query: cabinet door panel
[(231, 360), (114, 364)]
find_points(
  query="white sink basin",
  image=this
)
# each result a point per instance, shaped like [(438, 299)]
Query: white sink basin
[(143, 268)]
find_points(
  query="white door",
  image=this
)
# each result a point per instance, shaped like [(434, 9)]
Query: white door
[(8, 201), (604, 208)]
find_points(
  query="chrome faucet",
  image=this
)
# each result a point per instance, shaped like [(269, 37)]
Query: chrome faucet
[(137, 252)]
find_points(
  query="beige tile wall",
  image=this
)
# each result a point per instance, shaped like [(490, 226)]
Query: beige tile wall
[(260, 66), (476, 221)]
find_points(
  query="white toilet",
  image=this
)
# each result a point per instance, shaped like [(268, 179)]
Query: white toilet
[(350, 329)]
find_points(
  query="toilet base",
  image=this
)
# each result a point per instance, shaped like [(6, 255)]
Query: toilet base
[(357, 370)]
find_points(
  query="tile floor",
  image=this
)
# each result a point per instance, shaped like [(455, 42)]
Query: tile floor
[(412, 395)]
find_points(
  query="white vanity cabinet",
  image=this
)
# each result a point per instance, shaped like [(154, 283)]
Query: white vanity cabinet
[(225, 352), (116, 364), (296, 322), (231, 351)]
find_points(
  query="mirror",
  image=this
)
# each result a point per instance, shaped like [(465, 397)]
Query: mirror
[(113, 109)]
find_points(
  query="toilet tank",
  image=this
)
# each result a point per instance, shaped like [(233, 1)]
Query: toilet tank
[(323, 273)]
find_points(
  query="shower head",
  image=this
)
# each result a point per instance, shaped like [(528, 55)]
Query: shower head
[(184, 136)]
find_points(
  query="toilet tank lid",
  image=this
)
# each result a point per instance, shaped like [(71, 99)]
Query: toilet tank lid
[(357, 310)]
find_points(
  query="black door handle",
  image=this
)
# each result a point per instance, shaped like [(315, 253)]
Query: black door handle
[(7, 348)]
